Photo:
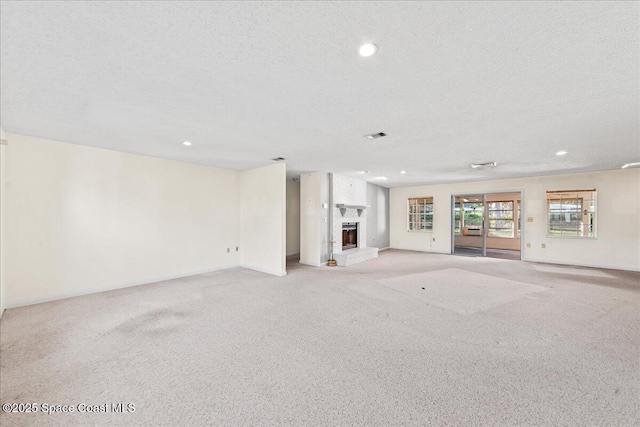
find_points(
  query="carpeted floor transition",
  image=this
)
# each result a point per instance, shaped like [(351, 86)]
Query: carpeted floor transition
[(406, 339)]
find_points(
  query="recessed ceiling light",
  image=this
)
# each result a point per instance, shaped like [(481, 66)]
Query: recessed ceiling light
[(187, 144), (561, 153), (367, 49), (363, 171), (631, 165), (375, 135), (403, 172), (381, 178)]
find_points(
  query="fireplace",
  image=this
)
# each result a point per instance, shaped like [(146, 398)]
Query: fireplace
[(349, 235)]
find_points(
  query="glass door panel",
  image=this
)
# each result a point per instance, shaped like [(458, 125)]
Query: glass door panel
[(468, 225)]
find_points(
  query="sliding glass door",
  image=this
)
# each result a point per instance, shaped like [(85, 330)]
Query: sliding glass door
[(487, 225), (469, 224)]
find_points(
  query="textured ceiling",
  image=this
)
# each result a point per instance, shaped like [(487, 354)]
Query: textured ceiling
[(453, 83)]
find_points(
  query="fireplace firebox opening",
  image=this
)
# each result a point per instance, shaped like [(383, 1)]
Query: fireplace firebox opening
[(349, 235)]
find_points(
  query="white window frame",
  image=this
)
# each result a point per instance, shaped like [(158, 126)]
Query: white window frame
[(591, 210), (424, 225)]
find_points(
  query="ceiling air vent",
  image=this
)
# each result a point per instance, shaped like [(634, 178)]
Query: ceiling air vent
[(278, 159), (375, 135), (482, 165)]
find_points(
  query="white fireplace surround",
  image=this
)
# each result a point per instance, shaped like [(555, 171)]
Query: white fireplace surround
[(349, 204)]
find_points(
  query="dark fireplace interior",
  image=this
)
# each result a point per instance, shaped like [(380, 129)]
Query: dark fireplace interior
[(349, 235)]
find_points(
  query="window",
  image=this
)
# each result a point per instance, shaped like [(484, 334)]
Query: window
[(571, 213), (500, 219), (472, 216), (421, 214)]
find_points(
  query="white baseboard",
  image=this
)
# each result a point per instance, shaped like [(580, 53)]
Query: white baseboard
[(604, 266), (319, 264), (31, 301), (264, 270), (384, 249), (312, 264), (421, 250)]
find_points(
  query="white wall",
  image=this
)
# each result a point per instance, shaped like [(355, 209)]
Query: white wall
[(314, 227), (377, 216), (2, 215), (293, 218), (263, 219), (617, 218), (81, 219)]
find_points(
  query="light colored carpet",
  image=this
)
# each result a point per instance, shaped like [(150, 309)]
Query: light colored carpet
[(336, 346), (462, 291)]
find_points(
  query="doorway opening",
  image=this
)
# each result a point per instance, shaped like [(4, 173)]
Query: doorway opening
[(487, 224)]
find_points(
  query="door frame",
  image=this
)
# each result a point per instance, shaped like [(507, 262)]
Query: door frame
[(485, 218)]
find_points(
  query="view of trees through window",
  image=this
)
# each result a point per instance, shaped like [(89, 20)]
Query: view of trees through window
[(503, 217), (571, 213), (473, 214), (500, 219), (420, 214)]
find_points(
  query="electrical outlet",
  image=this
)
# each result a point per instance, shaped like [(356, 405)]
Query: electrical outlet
[(528, 245), (544, 246), (529, 219), (228, 250)]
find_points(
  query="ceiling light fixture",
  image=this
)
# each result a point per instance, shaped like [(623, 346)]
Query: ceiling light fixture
[(381, 178), (631, 165), (186, 144), (480, 165), (561, 153), (363, 171), (367, 49), (403, 172)]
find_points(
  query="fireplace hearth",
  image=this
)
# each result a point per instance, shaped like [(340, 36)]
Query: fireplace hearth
[(349, 235)]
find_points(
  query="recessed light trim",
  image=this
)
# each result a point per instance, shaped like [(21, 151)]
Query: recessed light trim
[(363, 171), (561, 153), (403, 172), (381, 178), (187, 144), (631, 165), (367, 49)]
